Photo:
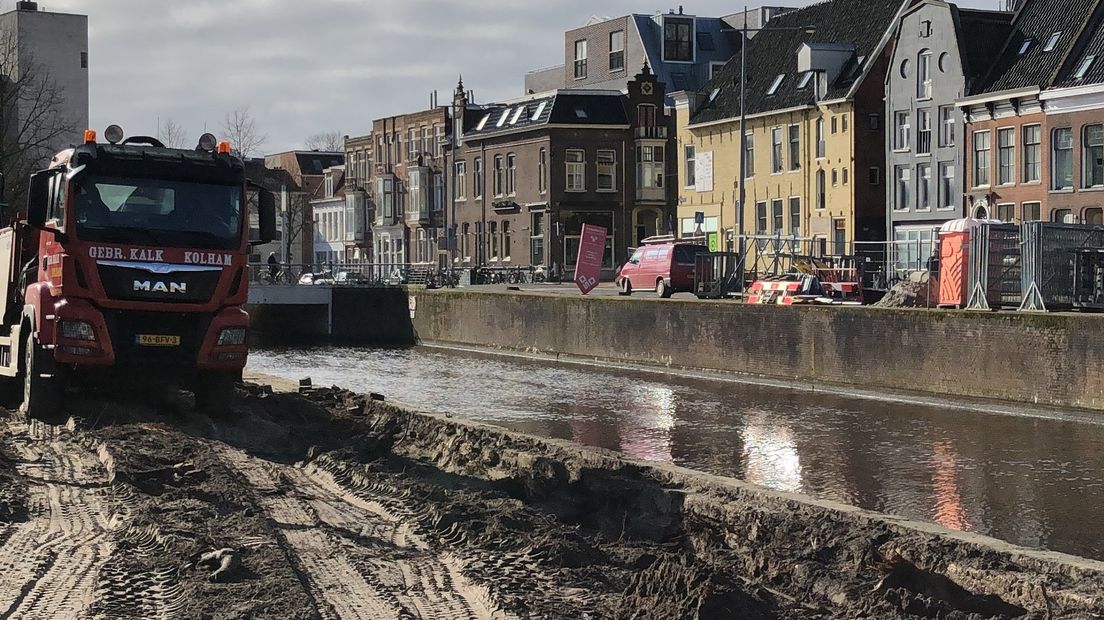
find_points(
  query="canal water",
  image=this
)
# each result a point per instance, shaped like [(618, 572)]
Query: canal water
[(1033, 481)]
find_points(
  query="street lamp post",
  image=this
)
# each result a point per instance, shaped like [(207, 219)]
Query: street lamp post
[(741, 242)]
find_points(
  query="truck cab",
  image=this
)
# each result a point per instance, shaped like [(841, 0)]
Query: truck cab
[(132, 257)]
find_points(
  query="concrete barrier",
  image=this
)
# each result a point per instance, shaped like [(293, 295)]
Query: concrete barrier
[(1046, 359)]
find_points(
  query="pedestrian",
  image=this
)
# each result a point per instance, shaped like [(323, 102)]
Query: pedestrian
[(273, 267)]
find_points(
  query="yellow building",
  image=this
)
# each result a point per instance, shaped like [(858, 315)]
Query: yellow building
[(815, 133)]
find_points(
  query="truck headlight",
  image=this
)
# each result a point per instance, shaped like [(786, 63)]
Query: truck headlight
[(232, 336), (78, 330)]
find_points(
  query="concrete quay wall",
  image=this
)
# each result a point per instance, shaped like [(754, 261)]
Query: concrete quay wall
[(1045, 359)]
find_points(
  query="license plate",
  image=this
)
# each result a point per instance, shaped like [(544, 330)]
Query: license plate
[(156, 340)]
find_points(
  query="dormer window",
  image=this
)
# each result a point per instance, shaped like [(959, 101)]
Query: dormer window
[(776, 83), (537, 113), (678, 39), (1084, 67), (483, 122), (517, 115), (805, 78), (502, 119), (1052, 42), (1026, 45)]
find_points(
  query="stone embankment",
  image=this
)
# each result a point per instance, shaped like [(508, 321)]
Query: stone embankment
[(329, 504)]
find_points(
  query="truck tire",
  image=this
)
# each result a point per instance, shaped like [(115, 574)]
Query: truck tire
[(663, 289), (43, 386), (214, 393)]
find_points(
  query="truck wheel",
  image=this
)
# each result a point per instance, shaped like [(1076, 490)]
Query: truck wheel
[(663, 289), (214, 393), (43, 388)]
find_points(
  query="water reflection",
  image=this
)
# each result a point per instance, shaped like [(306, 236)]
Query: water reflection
[(1035, 482)]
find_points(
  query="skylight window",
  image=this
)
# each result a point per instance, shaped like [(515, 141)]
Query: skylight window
[(776, 83), (1084, 67), (502, 119), (1026, 45), (713, 95), (580, 112), (1052, 42), (483, 123), (517, 115), (805, 77), (540, 108)]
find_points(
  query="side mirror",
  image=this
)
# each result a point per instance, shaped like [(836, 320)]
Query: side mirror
[(266, 215), (38, 197)]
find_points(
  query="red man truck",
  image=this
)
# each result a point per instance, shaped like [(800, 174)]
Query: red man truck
[(131, 261)]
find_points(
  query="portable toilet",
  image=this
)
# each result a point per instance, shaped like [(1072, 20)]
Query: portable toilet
[(954, 259)]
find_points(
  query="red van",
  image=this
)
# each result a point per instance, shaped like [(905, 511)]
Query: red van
[(665, 267)]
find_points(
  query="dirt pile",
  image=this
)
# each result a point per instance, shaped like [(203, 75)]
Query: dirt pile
[(334, 505), (919, 290)]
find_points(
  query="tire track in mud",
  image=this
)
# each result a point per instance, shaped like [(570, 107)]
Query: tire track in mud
[(357, 559), (50, 563)]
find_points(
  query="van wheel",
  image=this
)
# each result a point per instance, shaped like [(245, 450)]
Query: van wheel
[(663, 289), (626, 288), (42, 383)]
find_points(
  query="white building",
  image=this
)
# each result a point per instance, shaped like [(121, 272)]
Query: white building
[(328, 206), (53, 45)]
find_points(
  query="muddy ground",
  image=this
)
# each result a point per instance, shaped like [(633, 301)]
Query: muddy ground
[(333, 505)]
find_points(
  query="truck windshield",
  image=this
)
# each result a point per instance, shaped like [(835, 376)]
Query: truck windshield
[(158, 212)]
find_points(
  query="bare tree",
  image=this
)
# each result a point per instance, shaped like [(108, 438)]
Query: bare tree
[(240, 129), (171, 135), (330, 141), (32, 125)]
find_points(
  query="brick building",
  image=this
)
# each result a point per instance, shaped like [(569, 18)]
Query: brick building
[(528, 173), (407, 181)]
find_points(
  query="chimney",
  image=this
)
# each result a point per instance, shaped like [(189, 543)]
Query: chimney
[(680, 9), (26, 5)]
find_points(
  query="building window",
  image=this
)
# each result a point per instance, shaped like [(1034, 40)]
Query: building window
[(506, 240), (1062, 216), (901, 131), (536, 240), (948, 197), (923, 131), (839, 235), (760, 218), (874, 122), (1006, 154), (511, 174), (646, 115), (438, 138), (1093, 216), (1092, 156), (1032, 153), (874, 176), (575, 162), (689, 154), (981, 158), (835, 177), (821, 147), (1031, 211), (925, 29), (947, 125), (821, 181), (499, 176), (776, 150), (412, 146), (542, 170), (438, 197), (773, 88), (607, 170), (923, 75), (678, 40), (844, 123), (427, 140), (923, 187), (749, 155), (1006, 212), (84, 60), (902, 176), (834, 125), (1062, 156), (477, 173), (777, 215), (795, 147), (617, 50), (1052, 42), (492, 240), (795, 216), (459, 181), (1084, 67), (580, 60), (649, 167), (846, 175)]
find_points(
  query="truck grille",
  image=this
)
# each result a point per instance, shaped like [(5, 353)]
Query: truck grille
[(184, 284), (126, 326)]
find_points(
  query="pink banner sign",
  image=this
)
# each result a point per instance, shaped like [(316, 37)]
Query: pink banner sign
[(588, 265)]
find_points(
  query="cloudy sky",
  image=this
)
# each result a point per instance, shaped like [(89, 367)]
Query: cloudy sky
[(321, 65)]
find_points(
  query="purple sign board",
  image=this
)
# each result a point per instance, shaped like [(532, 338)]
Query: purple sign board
[(588, 265)]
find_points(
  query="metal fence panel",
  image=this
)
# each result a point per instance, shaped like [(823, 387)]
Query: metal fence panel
[(1050, 262), (995, 266)]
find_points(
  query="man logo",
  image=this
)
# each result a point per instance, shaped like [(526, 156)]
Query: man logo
[(160, 287)]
